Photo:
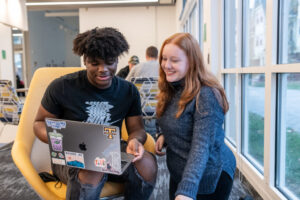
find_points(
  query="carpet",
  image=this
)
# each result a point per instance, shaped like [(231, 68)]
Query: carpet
[(13, 185)]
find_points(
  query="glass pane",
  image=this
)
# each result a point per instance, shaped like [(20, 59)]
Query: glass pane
[(230, 37), (288, 132), (193, 23), (289, 32), (18, 65), (254, 29), (230, 118), (253, 118), (200, 14)]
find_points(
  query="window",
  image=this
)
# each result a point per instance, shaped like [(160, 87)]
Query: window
[(200, 14), (230, 117), (230, 31), (289, 32), (253, 94), (193, 23), (254, 30), (288, 134)]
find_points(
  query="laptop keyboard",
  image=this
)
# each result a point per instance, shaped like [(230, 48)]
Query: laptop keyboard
[(123, 163)]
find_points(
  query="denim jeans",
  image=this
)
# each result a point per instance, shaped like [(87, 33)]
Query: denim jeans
[(135, 186)]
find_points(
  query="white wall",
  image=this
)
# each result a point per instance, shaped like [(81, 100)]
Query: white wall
[(6, 65), (142, 26), (14, 13)]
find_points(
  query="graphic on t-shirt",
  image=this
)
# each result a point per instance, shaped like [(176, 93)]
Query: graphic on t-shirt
[(99, 112)]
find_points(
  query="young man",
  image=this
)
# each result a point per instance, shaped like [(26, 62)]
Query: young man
[(146, 69), (95, 95), (134, 60)]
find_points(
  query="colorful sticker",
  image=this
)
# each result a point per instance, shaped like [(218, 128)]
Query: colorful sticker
[(100, 162), (61, 155), (116, 160), (56, 124), (56, 141), (74, 159), (58, 161), (53, 154), (110, 132)]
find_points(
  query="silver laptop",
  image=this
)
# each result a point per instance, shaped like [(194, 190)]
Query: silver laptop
[(87, 146)]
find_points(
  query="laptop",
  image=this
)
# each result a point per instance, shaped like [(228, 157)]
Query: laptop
[(86, 146)]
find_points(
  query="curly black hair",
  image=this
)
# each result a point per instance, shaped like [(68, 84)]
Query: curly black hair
[(100, 43)]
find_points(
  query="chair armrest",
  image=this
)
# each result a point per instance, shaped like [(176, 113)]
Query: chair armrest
[(21, 157), (149, 144)]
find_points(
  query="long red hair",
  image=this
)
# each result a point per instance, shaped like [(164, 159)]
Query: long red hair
[(196, 77)]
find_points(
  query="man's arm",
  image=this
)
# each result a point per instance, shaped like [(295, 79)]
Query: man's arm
[(135, 128), (39, 126), (136, 137)]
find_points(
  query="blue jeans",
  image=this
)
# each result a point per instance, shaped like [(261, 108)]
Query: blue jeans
[(135, 186)]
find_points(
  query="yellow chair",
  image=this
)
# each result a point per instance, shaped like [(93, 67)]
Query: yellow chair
[(31, 156)]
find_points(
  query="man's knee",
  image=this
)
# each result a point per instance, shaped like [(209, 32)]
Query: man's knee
[(89, 177), (147, 167)]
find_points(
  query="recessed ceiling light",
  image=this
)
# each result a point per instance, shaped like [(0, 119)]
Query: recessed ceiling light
[(88, 2)]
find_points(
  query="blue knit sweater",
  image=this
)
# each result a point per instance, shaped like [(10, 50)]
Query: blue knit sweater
[(196, 152)]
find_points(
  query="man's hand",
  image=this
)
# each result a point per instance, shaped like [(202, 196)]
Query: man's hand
[(135, 148), (159, 145), (182, 197)]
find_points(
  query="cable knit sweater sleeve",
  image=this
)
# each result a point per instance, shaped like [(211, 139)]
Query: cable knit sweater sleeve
[(204, 130)]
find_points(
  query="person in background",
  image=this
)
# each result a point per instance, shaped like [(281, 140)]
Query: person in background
[(20, 84), (146, 69), (95, 95), (133, 60), (191, 108)]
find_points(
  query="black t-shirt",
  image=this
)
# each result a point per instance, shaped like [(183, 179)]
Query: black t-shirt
[(73, 97), (123, 72)]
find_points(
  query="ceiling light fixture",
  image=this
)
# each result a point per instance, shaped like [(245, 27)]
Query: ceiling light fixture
[(89, 2)]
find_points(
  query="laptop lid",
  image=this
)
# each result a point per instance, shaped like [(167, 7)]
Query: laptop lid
[(84, 145)]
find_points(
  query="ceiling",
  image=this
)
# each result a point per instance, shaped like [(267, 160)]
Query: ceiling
[(74, 4)]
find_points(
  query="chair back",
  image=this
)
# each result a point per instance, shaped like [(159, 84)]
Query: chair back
[(10, 104), (28, 150), (148, 88), (31, 155)]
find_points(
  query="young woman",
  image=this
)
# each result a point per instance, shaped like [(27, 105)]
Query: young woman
[(191, 108)]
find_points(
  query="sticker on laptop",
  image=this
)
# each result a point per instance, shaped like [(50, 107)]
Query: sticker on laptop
[(116, 160), (56, 141), (55, 124), (61, 155), (58, 161), (100, 162), (110, 132), (53, 154), (74, 159)]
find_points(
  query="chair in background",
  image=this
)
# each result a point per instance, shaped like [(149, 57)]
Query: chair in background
[(148, 89), (10, 104), (31, 156)]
